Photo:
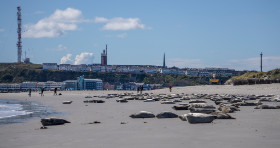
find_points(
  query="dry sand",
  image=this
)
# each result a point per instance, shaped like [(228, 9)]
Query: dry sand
[(251, 128)]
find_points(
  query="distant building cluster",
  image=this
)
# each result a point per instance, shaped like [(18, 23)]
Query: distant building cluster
[(141, 69), (79, 84)]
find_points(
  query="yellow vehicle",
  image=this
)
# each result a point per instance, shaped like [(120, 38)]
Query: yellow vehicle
[(214, 80)]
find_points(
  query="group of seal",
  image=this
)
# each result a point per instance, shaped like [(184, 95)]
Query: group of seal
[(200, 112)]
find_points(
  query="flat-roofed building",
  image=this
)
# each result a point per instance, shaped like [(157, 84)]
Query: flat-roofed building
[(29, 85), (69, 85), (65, 67), (93, 84), (50, 66), (89, 84), (50, 85), (7, 87)]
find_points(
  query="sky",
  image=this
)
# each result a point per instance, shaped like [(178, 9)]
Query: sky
[(191, 33)]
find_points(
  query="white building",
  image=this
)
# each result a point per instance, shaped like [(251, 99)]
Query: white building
[(50, 66), (69, 85), (151, 70), (204, 73), (111, 69), (135, 69), (122, 69), (82, 67), (96, 68), (5, 86), (192, 73), (103, 69), (50, 85), (66, 67), (172, 71), (29, 85)]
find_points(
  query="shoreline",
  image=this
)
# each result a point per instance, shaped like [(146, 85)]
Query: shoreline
[(33, 111), (251, 128)]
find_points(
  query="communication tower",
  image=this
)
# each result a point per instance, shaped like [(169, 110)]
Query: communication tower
[(19, 46), (261, 61)]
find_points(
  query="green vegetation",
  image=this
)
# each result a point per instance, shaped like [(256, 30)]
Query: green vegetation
[(273, 74), (250, 78), (17, 73), (179, 80), (13, 66)]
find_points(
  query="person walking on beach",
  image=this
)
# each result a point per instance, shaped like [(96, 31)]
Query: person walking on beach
[(170, 88), (42, 91), (29, 92), (55, 91)]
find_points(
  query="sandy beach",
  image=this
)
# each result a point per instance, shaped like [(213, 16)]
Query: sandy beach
[(252, 128)]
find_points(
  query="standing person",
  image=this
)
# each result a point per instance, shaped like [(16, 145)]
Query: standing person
[(141, 89), (55, 91), (29, 92), (42, 91), (138, 89), (170, 88)]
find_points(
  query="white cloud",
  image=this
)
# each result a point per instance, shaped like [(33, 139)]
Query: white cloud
[(84, 58), (183, 63), (2, 30), (55, 25), (269, 63), (120, 23), (100, 20), (66, 59)]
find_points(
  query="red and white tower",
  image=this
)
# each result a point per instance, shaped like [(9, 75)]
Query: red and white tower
[(104, 57), (19, 34)]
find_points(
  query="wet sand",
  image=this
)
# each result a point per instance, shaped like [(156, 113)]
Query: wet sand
[(251, 128)]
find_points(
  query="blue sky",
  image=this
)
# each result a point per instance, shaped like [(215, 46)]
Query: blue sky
[(192, 33)]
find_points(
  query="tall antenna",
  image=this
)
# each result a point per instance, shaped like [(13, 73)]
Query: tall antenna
[(164, 66), (261, 62), (106, 49), (19, 34)]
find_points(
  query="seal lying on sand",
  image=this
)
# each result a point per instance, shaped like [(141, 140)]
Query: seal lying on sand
[(228, 109), (122, 100), (199, 118), (197, 105), (267, 107), (53, 121), (197, 101), (183, 117), (183, 107), (94, 101), (142, 114), (221, 115), (201, 110), (167, 115), (67, 102), (167, 102)]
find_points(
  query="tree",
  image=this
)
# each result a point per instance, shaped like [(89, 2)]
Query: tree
[(7, 78)]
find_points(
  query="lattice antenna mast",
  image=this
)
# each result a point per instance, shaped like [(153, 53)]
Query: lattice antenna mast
[(19, 34), (164, 66), (261, 62)]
